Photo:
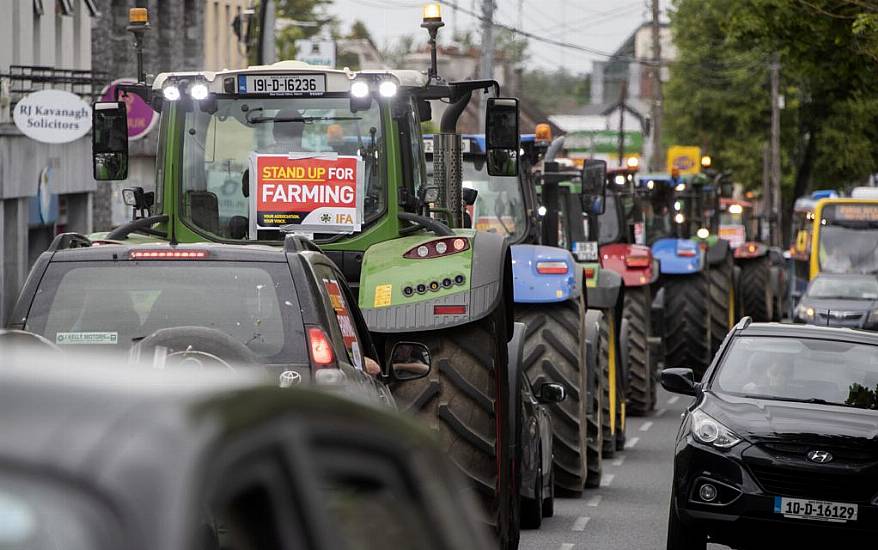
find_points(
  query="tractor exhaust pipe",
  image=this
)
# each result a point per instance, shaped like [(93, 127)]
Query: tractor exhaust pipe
[(448, 163)]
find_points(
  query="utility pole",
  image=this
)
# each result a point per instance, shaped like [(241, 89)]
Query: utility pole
[(766, 212), (775, 151), (486, 71), (623, 96), (657, 161)]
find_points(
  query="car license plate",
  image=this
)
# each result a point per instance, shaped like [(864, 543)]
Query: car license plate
[(821, 510), (288, 84), (428, 146)]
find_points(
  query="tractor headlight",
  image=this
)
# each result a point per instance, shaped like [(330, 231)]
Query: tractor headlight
[(171, 92), (387, 88), (359, 89), (679, 218), (198, 91), (702, 233), (709, 431)]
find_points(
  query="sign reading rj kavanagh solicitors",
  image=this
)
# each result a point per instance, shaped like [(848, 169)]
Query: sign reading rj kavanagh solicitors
[(53, 116)]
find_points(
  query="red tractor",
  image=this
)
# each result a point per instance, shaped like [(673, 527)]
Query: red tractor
[(623, 250)]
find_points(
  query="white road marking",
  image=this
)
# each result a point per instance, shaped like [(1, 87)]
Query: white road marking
[(607, 479), (579, 525), (594, 501), (566, 546), (632, 442), (618, 461), (673, 399), (660, 412), (646, 426)]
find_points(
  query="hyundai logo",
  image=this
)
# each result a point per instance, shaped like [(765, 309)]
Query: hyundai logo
[(820, 457)]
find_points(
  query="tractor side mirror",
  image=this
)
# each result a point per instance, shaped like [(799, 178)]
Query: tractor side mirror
[(594, 186), (109, 141), (501, 136)]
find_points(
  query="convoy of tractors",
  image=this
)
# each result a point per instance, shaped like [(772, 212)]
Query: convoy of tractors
[(495, 250)]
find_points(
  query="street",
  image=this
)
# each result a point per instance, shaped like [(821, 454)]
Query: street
[(630, 510)]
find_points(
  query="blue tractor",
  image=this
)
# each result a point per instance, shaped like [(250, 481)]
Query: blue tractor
[(697, 281), (549, 300)]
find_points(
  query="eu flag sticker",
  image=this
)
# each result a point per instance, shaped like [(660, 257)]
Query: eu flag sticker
[(777, 505)]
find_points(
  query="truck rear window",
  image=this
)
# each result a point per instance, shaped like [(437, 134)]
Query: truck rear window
[(113, 305)]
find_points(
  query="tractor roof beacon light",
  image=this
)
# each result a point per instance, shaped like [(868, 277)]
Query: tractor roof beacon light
[(432, 21), (138, 23), (543, 132)]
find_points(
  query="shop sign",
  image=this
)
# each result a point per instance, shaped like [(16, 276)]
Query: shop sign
[(141, 117), (53, 116)]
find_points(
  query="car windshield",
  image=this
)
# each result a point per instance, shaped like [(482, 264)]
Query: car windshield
[(217, 148), (35, 515), (849, 238), (499, 207), (801, 369), (109, 306), (844, 288)]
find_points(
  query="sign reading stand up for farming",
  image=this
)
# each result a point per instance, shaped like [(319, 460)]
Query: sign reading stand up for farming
[(306, 193)]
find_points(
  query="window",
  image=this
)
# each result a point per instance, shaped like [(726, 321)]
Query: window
[(38, 7), (64, 7)]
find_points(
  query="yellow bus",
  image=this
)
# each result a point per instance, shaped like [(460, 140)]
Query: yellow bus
[(845, 236)]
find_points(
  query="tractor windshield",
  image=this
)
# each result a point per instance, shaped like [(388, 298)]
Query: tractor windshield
[(217, 145), (848, 238), (500, 206)]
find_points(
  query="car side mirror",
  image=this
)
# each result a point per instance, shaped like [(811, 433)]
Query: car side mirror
[(409, 361), (109, 141), (549, 392), (594, 186), (678, 380), (502, 141)]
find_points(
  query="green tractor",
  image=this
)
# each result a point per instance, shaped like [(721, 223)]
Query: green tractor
[(571, 202), (249, 156)]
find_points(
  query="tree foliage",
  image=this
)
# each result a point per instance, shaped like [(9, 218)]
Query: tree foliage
[(302, 11), (718, 96)]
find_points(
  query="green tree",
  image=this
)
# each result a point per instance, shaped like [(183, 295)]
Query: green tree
[(718, 96)]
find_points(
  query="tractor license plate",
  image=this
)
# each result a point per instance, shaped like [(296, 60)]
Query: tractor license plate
[(820, 510), (428, 146), (300, 84), (586, 251)]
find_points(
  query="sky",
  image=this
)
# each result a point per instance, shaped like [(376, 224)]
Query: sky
[(597, 24)]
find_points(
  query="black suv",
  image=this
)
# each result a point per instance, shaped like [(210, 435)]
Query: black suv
[(97, 457), (781, 441), (288, 310)]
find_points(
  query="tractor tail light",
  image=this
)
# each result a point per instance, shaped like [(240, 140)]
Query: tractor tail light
[(686, 252), (638, 261), (438, 248), (167, 254), (320, 348), (449, 310), (589, 272), (552, 268)]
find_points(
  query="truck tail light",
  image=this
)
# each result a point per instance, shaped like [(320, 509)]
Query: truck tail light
[(449, 310), (438, 248), (552, 268), (638, 261), (320, 348), (167, 254)]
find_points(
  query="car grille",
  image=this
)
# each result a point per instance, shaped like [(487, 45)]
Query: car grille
[(846, 318), (797, 451), (807, 483)]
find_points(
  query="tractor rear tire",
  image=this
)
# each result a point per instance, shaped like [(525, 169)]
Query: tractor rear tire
[(757, 296), (636, 307), (687, 322), (554, 351), (595, 448), (458, 400), (722, 302)]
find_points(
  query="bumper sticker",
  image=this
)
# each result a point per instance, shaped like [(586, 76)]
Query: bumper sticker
[(90, 338)]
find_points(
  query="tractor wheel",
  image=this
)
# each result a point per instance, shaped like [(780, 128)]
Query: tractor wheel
[(554, 351), (722, 302), (595, 462), (687, 322), (635, 346), (458, 400), (757, 297), (608, 436)]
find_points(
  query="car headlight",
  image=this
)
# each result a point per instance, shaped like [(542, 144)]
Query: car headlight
[(706, 430), (805, 313)]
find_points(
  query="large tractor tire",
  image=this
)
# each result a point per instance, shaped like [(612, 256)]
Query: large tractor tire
[(687, 322), (555, 351), (596, 388), (458, 400), (634, 342), (722, 301), (757, 294), (613, 406)]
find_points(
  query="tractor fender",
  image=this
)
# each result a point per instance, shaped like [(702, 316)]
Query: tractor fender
[(615, 257), (532, 287), (718, 252), (604, 295), (488, 284), (672, 263)]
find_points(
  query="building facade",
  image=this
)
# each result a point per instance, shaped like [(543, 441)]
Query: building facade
[(223, 48), (45, 188)]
